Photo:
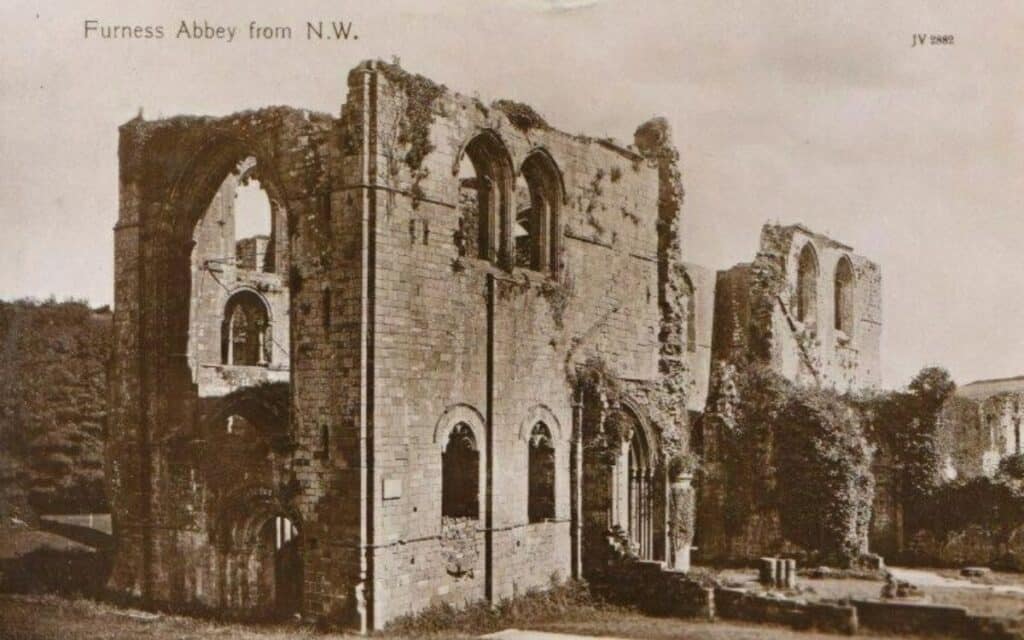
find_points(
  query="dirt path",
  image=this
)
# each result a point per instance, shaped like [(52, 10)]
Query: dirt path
[(925, 578)]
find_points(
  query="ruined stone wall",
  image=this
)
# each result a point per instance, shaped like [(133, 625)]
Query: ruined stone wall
[(756, 314), (395, 333), (976, 433), (698, 354), (449, 322), (217, 275), (188, 502), (757, 322)]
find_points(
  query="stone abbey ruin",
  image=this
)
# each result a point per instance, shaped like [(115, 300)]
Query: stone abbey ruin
[(463, 358)]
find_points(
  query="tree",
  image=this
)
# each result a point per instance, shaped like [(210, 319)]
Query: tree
[(932, 386), (53, 388)]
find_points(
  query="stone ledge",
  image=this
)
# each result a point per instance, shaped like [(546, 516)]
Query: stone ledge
[(739, 604), (934, 619)]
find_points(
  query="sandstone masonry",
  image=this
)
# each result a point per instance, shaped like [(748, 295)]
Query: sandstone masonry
[(438, 275)]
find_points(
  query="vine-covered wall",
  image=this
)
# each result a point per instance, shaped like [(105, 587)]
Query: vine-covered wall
[(787, 470)]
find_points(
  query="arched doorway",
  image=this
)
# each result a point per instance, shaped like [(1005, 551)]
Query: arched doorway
[(623, 487), (631, 479), (281, 566), (261, 555), (640, 500)]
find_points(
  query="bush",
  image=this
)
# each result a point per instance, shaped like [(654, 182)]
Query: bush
[(1011, 468), (47, 570), (997, 505), (748, 415)]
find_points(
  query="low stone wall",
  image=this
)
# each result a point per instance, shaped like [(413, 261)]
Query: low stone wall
[(921, 618), (909, 617), (658, 590), (739, 604)]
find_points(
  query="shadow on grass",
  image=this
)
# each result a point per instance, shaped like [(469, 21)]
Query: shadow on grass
[(64, 572)]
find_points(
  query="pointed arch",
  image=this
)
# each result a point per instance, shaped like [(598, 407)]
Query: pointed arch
[(453, 415), (648, 439), (807, 285), (843, 303), (489, 231), (538, 226), (541, 471), (246, 330), (459, 434), (541, 413)]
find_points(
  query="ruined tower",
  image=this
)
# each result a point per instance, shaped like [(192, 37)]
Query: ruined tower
[(377, 402)]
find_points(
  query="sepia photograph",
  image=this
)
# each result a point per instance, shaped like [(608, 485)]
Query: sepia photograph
[(517, 319)]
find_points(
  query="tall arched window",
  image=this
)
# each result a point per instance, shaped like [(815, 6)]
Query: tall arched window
[(844, 296), (486, 180), (254, 224), (807, 286), (536, 232), (541, 472), (460, 474), (245, 332)]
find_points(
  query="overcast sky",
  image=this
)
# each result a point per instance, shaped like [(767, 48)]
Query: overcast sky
[(790, 112)]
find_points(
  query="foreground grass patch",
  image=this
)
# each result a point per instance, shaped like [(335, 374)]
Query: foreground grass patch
[(566, 602), (49, 616)]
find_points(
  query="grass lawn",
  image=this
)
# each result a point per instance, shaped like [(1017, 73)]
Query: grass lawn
[(38, 565), (46, 617)]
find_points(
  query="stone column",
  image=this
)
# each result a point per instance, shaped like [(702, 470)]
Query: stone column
[(576, 480), (681, 521)]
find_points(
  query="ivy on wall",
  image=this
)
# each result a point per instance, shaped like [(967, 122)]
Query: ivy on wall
[(800, 453), (414, 126), (825, 487)]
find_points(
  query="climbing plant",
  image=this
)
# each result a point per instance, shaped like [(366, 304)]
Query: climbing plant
[(522, 116), (600, 389), (798, 453), (414, 127), (825, 486)]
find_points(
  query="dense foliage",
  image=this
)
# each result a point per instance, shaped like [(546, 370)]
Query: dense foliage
[(995, 504), (522, 116), (825, 485), (801, 453), (905, 425), (53, 387), (747, 403), (414, 127)]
